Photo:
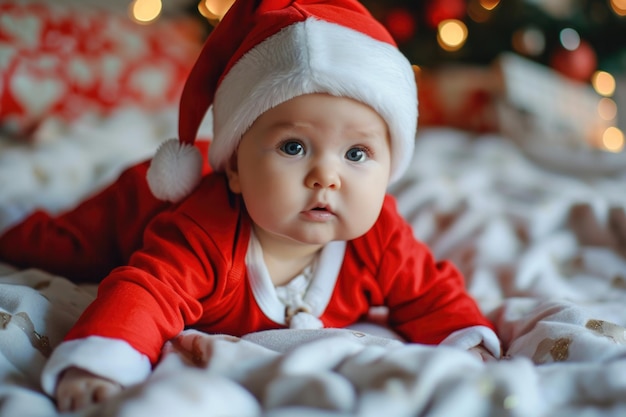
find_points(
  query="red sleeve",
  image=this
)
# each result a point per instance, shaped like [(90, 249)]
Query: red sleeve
[(162, 289), (85, 243), (427, 299)]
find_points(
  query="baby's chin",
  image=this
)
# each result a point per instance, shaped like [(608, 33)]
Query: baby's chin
[(322, 241), (316, 235)]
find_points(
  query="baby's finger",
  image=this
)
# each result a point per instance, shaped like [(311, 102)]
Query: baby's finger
[(104, 392), (64, 403), (81, 400)]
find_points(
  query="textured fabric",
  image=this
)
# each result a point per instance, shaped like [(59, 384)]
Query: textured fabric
[(62, 60), (191, 273)]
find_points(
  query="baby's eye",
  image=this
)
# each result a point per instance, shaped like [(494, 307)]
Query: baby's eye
[(356, 154), (292, 148)]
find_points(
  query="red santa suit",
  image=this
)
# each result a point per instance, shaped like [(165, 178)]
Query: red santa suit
[(200, 267), (85, 243)]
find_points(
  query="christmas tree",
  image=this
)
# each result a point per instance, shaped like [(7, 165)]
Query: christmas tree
[(576, 37), (573, 45)]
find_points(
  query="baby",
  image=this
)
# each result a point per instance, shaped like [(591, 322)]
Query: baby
[(315, 113)]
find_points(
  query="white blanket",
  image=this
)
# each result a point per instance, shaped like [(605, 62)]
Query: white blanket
[(558, 304)]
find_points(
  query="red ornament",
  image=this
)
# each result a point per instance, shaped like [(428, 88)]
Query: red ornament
[(578, 64), (440, 10), (401, 24)]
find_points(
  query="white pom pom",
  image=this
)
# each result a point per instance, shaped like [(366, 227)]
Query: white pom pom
[(175, 171)]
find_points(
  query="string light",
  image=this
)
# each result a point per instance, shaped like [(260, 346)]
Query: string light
[(451, 34), (607, 109), (603, 83), (480, 10), (619, 7), (489, 4), (145, 11), (215, 8), (613, 139), (206, 13), (570, 39)]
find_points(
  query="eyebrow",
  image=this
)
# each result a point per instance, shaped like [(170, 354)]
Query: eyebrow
[(289, 125), (369, 133), (359, 133)]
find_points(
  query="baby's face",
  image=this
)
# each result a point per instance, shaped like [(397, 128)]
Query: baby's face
[(313, 169)]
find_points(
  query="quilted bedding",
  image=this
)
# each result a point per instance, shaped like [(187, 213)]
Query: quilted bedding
[(543, 253)]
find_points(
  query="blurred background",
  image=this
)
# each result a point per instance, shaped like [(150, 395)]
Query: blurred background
[(551, 73)]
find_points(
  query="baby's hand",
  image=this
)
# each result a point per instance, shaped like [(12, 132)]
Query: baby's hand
[(78, 389), (482, 353)]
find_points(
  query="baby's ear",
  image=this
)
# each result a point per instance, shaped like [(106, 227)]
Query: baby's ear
[(232, 174)]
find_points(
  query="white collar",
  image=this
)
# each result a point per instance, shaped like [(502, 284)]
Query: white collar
[(320, 290)]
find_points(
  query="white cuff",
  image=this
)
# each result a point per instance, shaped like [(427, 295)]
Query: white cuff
[(109, 358), (474, 336)]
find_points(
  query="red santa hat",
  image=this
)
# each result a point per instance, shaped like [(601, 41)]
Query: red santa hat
[(266, 52)]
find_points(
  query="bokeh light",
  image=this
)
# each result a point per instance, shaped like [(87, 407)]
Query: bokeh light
[(451, 34), (570, 39), (619, 7), (489, 4), (607, 109), (145, 11), (480, 10), (214, 9), (613, 139), (401, 24), (603, 83)]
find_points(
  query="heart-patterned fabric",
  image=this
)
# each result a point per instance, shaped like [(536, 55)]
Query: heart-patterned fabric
[(62, 62)]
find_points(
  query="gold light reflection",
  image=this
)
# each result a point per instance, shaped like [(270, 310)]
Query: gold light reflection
[(144, 11), (607, 109), (477, 13), (603, 83), (214, 8), (613, 139), (451, 34), (205, 12), (619, 7), (489, 4), (480, 10)]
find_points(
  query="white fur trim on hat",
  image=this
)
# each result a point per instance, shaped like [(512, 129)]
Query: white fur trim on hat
[(175, 170), (316, 56)]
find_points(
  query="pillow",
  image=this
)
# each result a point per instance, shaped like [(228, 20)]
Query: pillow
[(64, 61)]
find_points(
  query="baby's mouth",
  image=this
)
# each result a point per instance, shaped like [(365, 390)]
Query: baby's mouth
[(319, 213), (322, 208)]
